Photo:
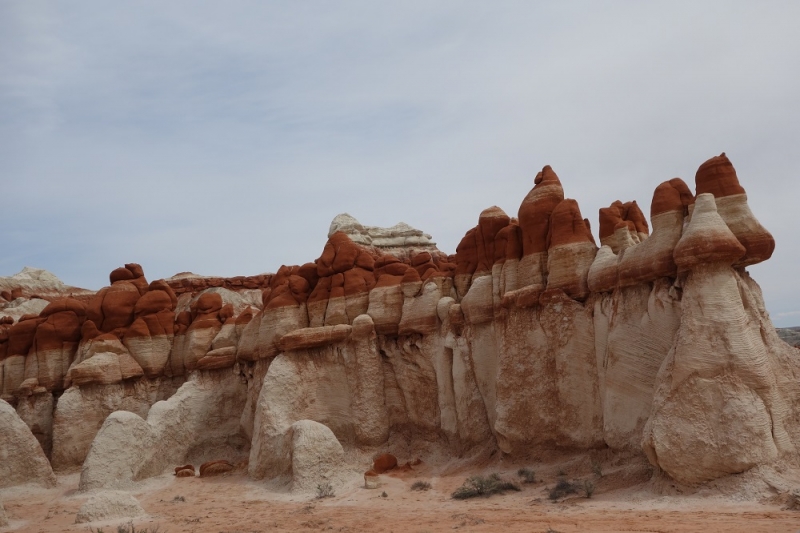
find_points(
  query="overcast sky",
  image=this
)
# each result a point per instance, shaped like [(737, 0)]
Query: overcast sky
[(223, 137)]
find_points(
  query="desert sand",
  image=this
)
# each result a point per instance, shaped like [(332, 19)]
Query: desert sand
[(625, 499)]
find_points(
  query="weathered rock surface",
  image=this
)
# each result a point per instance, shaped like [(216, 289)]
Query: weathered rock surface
[(21, 457), (37, 283), (215, 468), (528, 339), (37, 413), (198, 423), (81, 411), (317, 456), (718, 177), (720, 405), (19, 307), (399, 240)]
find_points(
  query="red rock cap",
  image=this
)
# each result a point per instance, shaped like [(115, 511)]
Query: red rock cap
[(672, 195), (718, 177), (536, 208)]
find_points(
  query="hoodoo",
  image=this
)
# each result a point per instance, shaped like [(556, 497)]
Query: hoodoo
[(529, 338)]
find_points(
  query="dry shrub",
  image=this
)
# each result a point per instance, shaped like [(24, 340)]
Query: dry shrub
[(483, 486)]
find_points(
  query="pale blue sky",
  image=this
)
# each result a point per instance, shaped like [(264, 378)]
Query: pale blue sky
[(223, 137)]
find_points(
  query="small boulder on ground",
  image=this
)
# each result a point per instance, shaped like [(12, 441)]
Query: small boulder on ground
[(384, 463), (184, 471), (371, 479), (215, 468)]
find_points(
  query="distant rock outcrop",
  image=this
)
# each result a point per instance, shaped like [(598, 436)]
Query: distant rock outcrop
[(790, 335), (37, 283), (400, 240)]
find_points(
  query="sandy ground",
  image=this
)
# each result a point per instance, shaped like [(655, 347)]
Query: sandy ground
[(623, 501)]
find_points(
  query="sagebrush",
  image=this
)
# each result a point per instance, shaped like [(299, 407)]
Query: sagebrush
[(562, 488), (420, 485), (483, 486), (527, 475), (588, 487), (325, 490), (597, 468)]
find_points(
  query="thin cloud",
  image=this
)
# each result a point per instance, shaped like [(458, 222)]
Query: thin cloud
[(223, 139)]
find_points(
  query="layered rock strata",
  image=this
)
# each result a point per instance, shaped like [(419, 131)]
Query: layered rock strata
[(529, 337)]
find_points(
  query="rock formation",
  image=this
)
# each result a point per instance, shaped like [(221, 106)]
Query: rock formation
[(185, 471), (399, 240), (197, 424), (215, 468), (36, 284), (383, 463), (317, 456), (718, 177), (718, 412), (22, 457), (528, 338)]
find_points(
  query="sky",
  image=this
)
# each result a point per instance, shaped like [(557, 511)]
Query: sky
[(222, 138)]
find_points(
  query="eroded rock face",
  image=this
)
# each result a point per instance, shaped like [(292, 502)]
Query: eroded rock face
[(317, 456), (300, 385), (150, 337), (570, 251), (718, 411), (534, 223), (22, 456), (196, 424), (528, 338), (622, 225), (36, 284), (37, 413), (718, 178), (399, 240), (707, 239), (81, 411)]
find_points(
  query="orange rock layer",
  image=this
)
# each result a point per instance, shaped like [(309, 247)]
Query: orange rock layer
[(550, 236)]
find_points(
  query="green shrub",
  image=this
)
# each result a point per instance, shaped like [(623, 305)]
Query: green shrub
[(483, 486), (597, 469)]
